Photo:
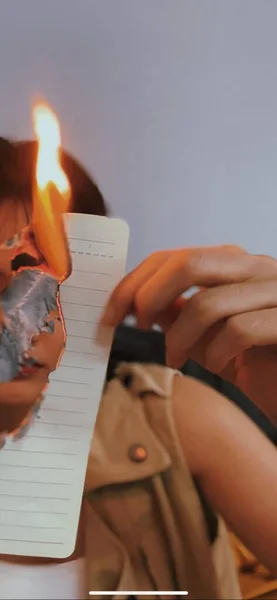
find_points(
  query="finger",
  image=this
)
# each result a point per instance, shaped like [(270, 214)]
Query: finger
[(123, 299), (154, 284), (121, 302), (240, 333), (166, 318), (153, 292), (188, 269), (205, 309)]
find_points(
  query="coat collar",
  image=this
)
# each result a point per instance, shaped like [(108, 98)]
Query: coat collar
[(122, 426)]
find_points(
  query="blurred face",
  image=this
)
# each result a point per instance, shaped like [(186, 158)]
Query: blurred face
[(45, 347), (14, 216)]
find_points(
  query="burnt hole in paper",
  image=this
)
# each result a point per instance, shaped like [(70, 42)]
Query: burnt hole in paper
[(32, 332)]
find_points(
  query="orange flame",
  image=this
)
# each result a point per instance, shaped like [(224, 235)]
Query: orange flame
[(48, 169), (52, 193)]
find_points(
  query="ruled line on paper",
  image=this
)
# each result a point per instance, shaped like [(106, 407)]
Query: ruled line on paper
[(30, 497), (10, 465), (88, 298), (34, 512), (74, 367), (23, 450), (85, 353), (60, 424), (51, 437), (77, 412), (92, 272), (81, 337), (59, 396), (81, 321), (34, 527), (80, 305), (33, 481), (42, 475), (76, 239), (30, 541), (77, 287), (63, 381)]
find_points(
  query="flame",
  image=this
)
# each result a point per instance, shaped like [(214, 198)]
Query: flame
[(51, 194), (48, 168)]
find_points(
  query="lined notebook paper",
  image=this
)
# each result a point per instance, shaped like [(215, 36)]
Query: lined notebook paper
[(42, 475)]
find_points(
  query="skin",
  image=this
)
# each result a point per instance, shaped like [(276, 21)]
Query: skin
[(229, 327), (235, 465), (17, 397)]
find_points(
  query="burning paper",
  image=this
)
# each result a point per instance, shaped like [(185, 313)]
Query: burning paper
[(52, 193), (36, 260)]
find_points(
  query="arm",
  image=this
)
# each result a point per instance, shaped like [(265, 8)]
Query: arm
[(234, 462)]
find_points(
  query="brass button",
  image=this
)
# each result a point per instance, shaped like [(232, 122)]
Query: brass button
[(137, 453)]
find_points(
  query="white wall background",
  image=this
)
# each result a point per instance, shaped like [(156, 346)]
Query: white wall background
[(172, 104)]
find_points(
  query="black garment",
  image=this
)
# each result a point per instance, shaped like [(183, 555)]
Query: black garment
[(133, 345)]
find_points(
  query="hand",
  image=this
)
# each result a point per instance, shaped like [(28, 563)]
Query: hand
[(229, 326)]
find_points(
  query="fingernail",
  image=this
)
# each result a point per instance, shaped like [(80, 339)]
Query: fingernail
[(108, 318)]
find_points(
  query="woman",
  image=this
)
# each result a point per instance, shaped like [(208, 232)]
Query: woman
[(230, 459)]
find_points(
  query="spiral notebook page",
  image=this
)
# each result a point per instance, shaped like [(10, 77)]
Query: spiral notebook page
[(42, 475)]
